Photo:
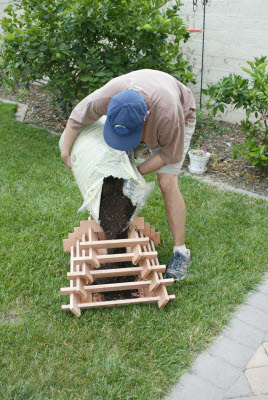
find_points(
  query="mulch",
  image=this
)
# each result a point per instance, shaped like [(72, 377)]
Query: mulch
[(221, 168)]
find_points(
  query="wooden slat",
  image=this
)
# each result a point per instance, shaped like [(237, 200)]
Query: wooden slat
[(111, 287), (66, 307), (67, 245), (113, 244), (114, 303), (157, 239), (145, 263), (124, 257), (80, 282), (108, 273), (138, 222), (86, 275), (101, 236), (155, 281), (152, 234), (74, 297), (156, 260), (104, 259), (147, 229), (153, 276), (76, 235), (92, 253), (90, 223), (146, 268), (72, 238), (137, 248), (161, 291)]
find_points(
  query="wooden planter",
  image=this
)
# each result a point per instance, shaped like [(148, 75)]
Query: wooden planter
[(88, 249)]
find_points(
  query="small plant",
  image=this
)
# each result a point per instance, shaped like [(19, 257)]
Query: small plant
[(199, 152), (252, 95), (7, 82)]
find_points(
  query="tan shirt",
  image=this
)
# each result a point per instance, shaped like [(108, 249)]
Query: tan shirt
[(171, 104)]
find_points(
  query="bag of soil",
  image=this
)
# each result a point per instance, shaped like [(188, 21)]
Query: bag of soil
[(93, 161)]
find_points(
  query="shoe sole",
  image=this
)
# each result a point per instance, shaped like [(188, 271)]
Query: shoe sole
[(178, 279)]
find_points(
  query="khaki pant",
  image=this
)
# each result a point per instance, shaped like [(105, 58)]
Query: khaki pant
[(175, 169)]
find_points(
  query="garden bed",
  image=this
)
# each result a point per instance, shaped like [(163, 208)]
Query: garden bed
[(222, 167)]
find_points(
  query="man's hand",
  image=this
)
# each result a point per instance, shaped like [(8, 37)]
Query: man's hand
[(69, 138), (153, 163), (66, 159)]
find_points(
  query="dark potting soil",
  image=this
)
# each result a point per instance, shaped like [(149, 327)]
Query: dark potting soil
[(116, 211)]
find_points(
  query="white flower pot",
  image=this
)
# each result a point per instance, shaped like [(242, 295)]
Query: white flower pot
[(198, 161)]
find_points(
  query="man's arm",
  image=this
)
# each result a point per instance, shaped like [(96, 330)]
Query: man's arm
[(85, 113), (69, 138), (152, 163)]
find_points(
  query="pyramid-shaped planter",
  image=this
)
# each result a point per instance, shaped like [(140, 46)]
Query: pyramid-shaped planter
[(88, 248)]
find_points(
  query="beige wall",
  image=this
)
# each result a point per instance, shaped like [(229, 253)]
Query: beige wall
[(236, 31), (3, 5)]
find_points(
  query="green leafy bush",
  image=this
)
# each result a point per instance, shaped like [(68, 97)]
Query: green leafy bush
[(252, 95), (81, 44)]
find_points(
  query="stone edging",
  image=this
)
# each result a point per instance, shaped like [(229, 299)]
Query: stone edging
[(21, 111), (224, 186)]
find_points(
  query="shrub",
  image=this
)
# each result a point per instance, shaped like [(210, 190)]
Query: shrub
[(81, 44), (206, 125), (252, 95)]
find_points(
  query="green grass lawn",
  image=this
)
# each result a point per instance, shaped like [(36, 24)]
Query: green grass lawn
[(133, 352)]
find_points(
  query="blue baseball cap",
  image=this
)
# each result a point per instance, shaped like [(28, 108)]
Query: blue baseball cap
[(125, 119)]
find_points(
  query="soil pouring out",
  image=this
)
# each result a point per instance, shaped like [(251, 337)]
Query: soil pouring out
[(116, 211)]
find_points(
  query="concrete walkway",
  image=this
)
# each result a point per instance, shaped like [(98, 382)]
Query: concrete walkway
[(236, 365)]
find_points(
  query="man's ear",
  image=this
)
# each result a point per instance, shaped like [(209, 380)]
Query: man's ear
[(147, 115)]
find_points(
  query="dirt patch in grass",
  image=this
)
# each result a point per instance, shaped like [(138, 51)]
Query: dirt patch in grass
[(5, 318)]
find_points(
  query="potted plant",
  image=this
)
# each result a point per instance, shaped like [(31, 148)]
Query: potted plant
[(198, 160)]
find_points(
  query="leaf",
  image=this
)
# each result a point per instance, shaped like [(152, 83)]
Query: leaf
[(100, 74), (248, 112), (247, 70), (85, 77)]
